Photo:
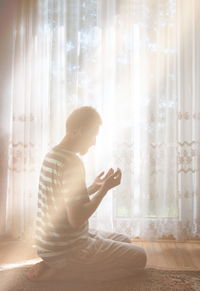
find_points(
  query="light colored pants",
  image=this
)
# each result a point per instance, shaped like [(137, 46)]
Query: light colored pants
[(106, 256)]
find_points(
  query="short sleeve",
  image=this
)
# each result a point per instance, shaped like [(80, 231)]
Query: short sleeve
[(73, 186)]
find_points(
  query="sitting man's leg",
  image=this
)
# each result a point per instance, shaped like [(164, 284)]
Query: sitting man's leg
[(99, 260), (113, 260), (110, 235), (102, 260)]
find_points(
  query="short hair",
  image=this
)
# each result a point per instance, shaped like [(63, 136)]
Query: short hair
[(83, 117)]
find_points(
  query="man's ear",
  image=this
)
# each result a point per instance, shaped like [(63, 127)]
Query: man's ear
[(77, 132)]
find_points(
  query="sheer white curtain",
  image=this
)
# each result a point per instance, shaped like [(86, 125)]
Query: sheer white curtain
[(188, 131), (137, 63)]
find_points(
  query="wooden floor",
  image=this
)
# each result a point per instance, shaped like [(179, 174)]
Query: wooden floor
[(172, 255), (163, 254)]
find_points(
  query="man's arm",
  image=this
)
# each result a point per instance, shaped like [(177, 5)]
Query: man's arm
[(98, 182), (91, 190), (79, 211)]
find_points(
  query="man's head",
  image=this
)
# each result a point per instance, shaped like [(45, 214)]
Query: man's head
[(82, 126)]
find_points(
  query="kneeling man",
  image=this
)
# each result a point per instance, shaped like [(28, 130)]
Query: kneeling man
[(68, 248)]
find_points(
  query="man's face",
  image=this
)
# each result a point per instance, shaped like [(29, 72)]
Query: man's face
[(88, 139)]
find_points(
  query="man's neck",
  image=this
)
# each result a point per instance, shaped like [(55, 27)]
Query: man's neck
[(68, 144)]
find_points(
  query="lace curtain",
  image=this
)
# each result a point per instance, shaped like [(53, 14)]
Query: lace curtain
[(137, 63)]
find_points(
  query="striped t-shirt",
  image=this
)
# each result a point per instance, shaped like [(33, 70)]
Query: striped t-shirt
[(62, 180)]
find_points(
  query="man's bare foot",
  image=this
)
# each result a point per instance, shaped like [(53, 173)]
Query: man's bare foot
[(42, 272), (36, 271)]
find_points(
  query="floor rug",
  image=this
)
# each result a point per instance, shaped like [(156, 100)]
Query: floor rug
[(149, 280)]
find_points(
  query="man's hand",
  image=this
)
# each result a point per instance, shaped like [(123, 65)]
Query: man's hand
[(112, 180), (79, 211), (99, 181)]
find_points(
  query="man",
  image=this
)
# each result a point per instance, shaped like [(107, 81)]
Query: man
[(70, 251)]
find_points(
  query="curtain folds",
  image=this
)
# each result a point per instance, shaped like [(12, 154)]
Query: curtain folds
[(138, 63)]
